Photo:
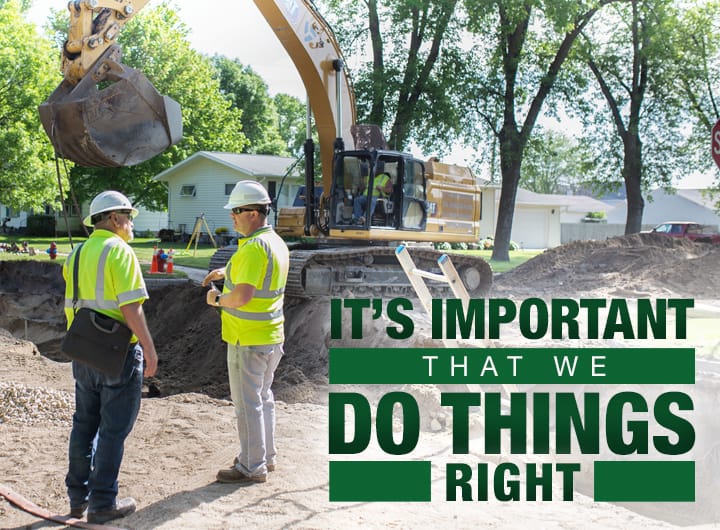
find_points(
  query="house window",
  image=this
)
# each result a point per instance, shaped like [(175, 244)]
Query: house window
[(187, 191), (229, 188), (272, 189)]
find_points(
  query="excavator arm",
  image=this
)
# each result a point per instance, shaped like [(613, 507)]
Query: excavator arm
[(311, 44), (105, 114), (89, 36)]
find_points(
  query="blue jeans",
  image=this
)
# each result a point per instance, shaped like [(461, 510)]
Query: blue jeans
[(251, 370), (105, 412), (360, 206)]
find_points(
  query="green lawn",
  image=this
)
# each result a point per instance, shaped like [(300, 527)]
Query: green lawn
[(200, 258), (517, 257), (143, 247)]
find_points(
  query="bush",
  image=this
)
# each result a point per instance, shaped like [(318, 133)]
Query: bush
[(459, 246), (41, 225), (513, 246), (487, 243), (442, 246), (166, 234)]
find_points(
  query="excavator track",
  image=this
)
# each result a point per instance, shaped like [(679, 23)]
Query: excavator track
[(369, 271)]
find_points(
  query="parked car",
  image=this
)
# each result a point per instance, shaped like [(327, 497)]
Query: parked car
[(688, 229)]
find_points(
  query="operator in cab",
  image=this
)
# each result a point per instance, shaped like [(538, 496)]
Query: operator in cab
[(382, 188)]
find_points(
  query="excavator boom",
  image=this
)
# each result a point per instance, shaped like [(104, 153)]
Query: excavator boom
[(311, 45)]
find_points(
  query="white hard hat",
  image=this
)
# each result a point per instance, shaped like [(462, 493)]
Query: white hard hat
[(109, 201), (247, 192)]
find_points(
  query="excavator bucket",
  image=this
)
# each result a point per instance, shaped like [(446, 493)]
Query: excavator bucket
[(112, 117)]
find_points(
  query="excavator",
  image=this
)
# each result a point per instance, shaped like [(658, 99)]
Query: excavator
[(370, 199)]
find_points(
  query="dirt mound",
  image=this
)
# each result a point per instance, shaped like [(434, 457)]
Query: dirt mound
[(635, 265), (185, 329), (192, 356)]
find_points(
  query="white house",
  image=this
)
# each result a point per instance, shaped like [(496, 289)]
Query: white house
[(538, 218), (147, 220), (200, 186), (684, 205), (12, 218)]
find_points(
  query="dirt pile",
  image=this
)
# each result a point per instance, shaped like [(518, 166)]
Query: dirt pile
[(635, 266)]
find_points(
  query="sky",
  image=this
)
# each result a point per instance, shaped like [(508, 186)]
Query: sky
[(236, 29)]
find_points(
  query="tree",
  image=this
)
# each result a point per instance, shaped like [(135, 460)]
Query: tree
[(695, 72), (515, 74), (23, 5), (155, 42), (403, 83), (291, 122), (629, 64), (249, 93), (27, 76), (555, 164)]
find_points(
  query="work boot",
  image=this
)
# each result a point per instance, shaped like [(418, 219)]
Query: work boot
[(78, 511), (270, 467), (121, 509), (233, 476)]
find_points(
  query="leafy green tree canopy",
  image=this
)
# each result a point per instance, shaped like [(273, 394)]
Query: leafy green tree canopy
[(249, 93), (291, 122), (27, 76), (409, 59)]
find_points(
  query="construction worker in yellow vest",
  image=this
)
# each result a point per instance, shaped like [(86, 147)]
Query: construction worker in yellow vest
[(253, 327), (110, 282), (382, 187)]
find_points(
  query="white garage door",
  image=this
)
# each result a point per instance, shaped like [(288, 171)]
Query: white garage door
[(531, 228)]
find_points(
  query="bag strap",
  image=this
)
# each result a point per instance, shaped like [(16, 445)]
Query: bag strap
[(76, 274)]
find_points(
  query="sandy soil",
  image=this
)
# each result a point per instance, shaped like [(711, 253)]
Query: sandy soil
[(186, 430)]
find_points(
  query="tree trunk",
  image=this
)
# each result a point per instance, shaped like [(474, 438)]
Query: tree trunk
[(511, 150), (506, 210), (632, 173)]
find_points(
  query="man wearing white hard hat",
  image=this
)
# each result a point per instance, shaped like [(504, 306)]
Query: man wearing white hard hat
[(110, 282), (253, 327)]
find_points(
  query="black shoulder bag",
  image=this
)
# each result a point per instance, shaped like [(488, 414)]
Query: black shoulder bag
[(94, 339)]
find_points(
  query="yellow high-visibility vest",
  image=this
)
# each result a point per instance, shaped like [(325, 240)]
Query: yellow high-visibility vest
[(261, 260), (109, 277)]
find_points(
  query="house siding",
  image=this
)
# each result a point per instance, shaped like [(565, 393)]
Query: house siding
[(210, 179), (667, 207)]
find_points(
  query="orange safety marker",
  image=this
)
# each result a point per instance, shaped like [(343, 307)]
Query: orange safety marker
[(170, 261), (154, 264)]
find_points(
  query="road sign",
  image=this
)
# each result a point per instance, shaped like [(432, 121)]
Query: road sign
[(716, 143)]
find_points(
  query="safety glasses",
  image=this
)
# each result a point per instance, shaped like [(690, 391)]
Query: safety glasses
[(238, 210)]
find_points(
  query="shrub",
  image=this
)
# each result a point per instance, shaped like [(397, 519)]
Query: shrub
[(487, 243), (459, 246), (41, 225), (442, 246), (513, 246), (221, 230)]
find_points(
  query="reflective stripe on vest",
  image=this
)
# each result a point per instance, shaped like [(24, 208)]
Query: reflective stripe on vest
[(99, 302), (264, 293)]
